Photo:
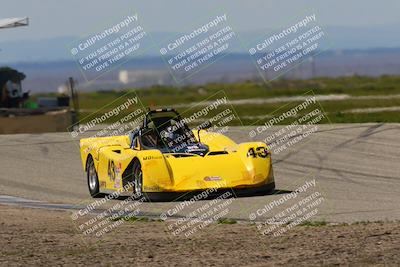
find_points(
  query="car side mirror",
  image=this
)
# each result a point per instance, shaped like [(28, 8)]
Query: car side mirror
[(204, 126)]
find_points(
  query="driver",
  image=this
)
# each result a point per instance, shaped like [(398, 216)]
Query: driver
[(169, 135)]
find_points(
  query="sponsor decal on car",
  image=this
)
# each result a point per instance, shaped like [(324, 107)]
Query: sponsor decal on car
[(152, 188), (117, 183), (212, 178), (151, 157)]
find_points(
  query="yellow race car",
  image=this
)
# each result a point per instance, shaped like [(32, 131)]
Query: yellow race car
[(165, 159)]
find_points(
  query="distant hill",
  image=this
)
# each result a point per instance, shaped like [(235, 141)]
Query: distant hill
[(48, 76), (56, 49)]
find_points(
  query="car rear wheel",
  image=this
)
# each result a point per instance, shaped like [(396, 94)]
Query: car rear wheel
[(92, 178)]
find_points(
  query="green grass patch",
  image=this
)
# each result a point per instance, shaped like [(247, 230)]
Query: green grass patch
[(313, 223), (166, 96), (226, 221), (133, 219)]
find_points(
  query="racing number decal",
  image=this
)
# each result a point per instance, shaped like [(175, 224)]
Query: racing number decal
[(111, 169), (260, 151)]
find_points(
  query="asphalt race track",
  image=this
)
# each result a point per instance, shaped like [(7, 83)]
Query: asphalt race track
[(356, 168)]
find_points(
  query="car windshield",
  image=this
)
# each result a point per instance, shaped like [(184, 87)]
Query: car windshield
[(166, 132)]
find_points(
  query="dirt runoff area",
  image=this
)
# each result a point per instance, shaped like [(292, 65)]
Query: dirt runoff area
[(48, 238)]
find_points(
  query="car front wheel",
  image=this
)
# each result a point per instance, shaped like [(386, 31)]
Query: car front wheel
[(92, 178), (137, 180)]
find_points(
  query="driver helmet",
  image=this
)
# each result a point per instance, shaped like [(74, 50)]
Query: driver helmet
[(168, 133)]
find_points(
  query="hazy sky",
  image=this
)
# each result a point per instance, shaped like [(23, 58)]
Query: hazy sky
[(53, 18)]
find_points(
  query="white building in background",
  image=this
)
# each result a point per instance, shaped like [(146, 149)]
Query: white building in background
[(145, 77)]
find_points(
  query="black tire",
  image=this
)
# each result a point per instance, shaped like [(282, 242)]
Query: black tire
[(137, 180), (92, 178)]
